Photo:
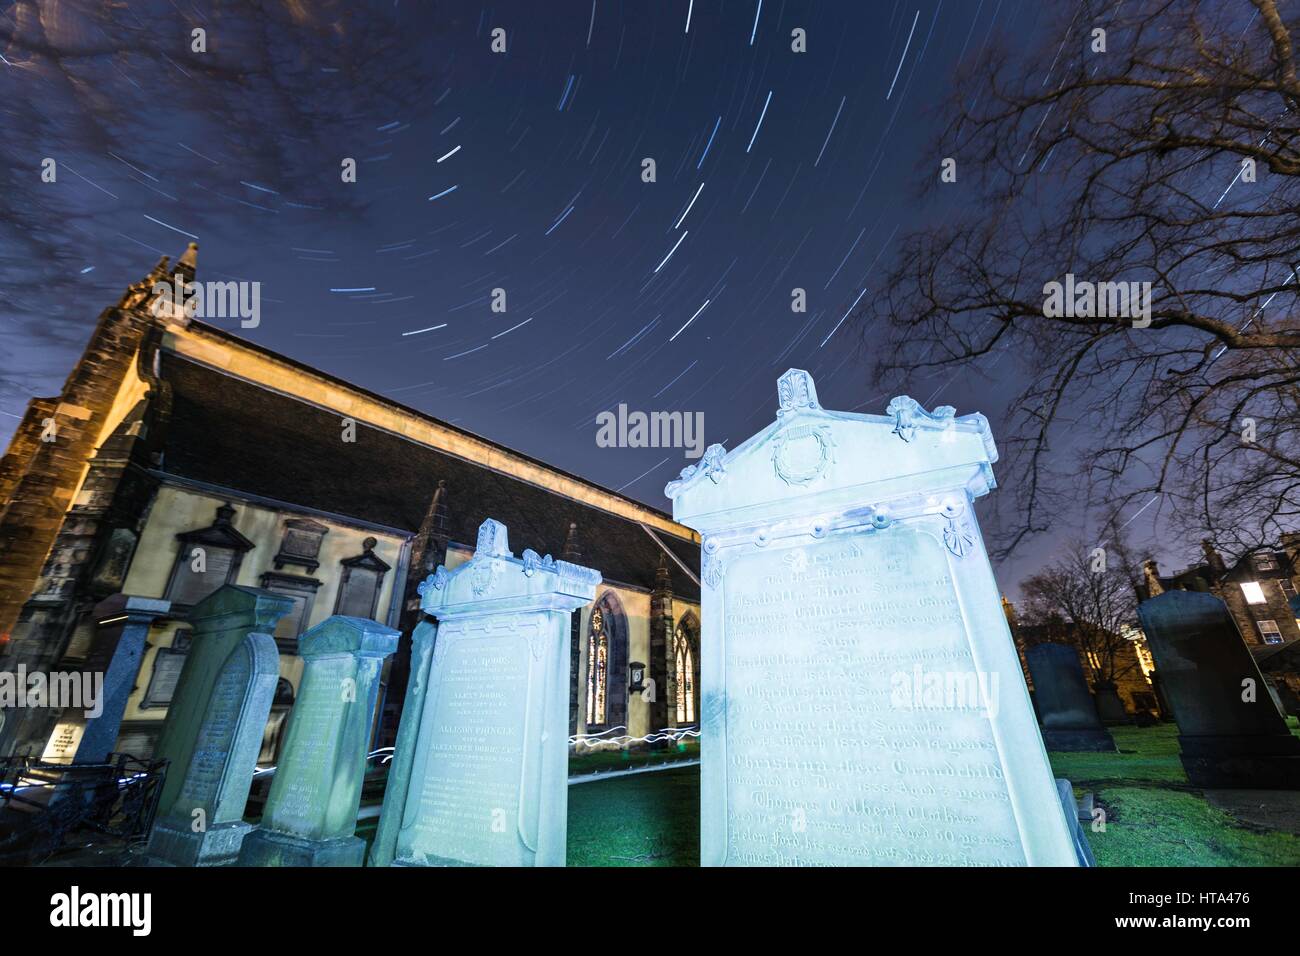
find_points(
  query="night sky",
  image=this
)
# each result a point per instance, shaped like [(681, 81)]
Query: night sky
[(475, 171)]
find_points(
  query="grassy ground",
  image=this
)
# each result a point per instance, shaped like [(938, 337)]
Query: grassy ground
[(648, 819), (1154, 817)]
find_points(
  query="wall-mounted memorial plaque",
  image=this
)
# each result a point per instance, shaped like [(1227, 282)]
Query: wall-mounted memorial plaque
[(168, 662)]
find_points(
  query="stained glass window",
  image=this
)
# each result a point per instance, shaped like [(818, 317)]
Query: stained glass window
[(684, 672), (597, 669)]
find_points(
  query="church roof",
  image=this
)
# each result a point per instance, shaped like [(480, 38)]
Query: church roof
[(230, 432)]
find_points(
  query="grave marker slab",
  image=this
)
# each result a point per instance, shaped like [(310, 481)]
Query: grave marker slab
[(488, 778), (1066, 710), (384, 846), (204, 825), (863, 702), (220, 622), (311, 811), (1229, 730)]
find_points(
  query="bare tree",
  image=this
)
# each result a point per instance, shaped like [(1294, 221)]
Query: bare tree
[(1149, 141), (1084, 600)]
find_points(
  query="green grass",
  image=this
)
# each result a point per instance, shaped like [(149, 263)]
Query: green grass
[(1150, 827), (1148, 754), (1154, 817), (647, 819)]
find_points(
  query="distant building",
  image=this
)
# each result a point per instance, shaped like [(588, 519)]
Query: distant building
[(1258, 591), (179, 457)]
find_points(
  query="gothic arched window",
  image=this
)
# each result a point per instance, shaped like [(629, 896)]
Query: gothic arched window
[(684, 676), (597, 669)]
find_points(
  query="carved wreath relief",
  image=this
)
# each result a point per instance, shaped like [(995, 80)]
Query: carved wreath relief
[(802, 453)]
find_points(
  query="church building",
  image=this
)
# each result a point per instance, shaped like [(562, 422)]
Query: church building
[(179, 458)]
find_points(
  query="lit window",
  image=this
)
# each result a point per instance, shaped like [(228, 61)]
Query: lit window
[(597, 668), (1272, 634), (684, 672), (1254, 593)]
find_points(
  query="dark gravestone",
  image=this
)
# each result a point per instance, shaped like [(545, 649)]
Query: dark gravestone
[(1110, 706), (1290, 700), (1228, 728), (1066, 710)]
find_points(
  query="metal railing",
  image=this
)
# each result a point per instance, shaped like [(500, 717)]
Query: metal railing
[(43, 804)]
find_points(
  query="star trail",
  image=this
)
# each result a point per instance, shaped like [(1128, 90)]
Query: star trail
[(774, 169)]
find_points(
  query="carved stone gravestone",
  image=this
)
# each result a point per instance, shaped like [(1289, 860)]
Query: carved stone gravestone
[(1229, 730), (204, 825), (220, 622), (862, 699), (311, 812), (1066, 710), (383, 848), (488, 777)]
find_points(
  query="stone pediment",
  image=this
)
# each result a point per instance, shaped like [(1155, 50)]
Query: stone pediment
[(837, 456), (494, 580)]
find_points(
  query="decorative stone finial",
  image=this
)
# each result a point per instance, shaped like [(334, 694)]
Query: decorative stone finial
[(795, 391), (572, 546), (190, 257), (713, 463), (492, 540), (907, 413)]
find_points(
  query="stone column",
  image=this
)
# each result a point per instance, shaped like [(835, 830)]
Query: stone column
[(311, 812), (488, 784), (573, 554), (661, 642), (123, 625), (428, 551)]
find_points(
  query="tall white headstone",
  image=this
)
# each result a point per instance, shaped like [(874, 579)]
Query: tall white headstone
[(862, 698), (488, 781)]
